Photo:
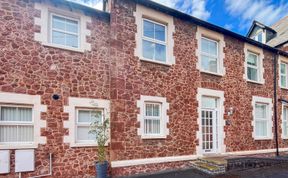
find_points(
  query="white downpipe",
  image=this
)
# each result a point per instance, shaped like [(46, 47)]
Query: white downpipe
[(50, 168)]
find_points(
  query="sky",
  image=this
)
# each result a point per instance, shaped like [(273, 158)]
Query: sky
[(234, 15)]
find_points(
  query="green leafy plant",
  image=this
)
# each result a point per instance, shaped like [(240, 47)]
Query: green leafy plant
[(101, 132)]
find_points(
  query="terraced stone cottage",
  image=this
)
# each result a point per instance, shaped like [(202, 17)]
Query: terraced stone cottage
[(174, 87)]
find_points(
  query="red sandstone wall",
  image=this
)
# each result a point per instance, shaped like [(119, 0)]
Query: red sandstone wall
[(24, 68), (115, 73)]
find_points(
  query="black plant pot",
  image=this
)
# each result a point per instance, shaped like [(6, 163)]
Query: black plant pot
[(101, 169)]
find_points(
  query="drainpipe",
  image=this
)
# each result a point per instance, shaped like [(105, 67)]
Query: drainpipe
[(275, 104)]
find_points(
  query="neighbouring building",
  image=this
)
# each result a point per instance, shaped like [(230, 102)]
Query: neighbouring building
[(275, 36), (175, 88)]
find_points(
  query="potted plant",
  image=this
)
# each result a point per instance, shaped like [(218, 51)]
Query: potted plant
[(101, 132)]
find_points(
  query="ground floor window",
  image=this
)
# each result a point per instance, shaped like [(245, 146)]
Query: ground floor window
[(16, 124)]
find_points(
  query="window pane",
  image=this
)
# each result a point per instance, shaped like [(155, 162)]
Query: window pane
[(149, 109), (160, 32), (283, 68), (96, 116), (148, 49), (160, 52), (260, 37), (58, 38), (152, 126), (156, 109), (261, 128), (148, 29), (71, 26), (252, 74), (58, 23), (283, 81), (83, 133), (84, 116), (208, 102), (25, 134), (252, 59), (261, 111), (285, 129), (72, 40), (8, 114), (25, 114), (8, 133), (209, 47), (209, 63)]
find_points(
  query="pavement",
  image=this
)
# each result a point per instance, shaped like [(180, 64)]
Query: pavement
[(280, 171)]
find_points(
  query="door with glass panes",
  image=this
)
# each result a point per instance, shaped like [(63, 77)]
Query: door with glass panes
[(209, 127)]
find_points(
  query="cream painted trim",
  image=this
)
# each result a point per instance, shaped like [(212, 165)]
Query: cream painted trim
[(203, 32), (164, 119), (35, 101), (144, 12), (257, 99), (157, 160), (221, 109), (46, 8), (259, 51), (71, 122), (285, 60)]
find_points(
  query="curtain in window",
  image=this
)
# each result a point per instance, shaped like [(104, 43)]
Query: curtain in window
[(152, 119), (16, 124)]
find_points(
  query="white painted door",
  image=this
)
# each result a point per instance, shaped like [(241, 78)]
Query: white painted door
[(209, 122)]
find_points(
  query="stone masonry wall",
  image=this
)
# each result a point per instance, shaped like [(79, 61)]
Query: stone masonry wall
[(111, 71), (30, 68)]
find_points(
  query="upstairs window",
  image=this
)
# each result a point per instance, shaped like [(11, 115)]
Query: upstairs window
[(253, 67), (154, 42), (64, 31), (16, 125), (209, 55), (84, 119), (283, 75)]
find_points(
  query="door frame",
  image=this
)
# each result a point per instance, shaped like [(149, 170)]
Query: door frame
[(220, 116)]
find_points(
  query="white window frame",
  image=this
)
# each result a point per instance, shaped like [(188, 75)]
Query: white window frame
[(73, 104), (143, 12), (269, 107), (215, 37), (285, 75), (62, 31), (153, 118), (17, 123), (208, 55), (86, 124), (45, 20), (284, 122), (248, 48), (254, 67), (24, 100), (154, 40), (163, 113)]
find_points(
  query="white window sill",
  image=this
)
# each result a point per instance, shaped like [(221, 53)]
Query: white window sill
[(17, 146), (153, 61), (220, 74), (263, 138), (85, 145), (79, 50), (146, 137), (284, 88), (255, 82)]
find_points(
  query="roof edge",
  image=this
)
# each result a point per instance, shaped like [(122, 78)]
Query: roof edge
[(181, 15)]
